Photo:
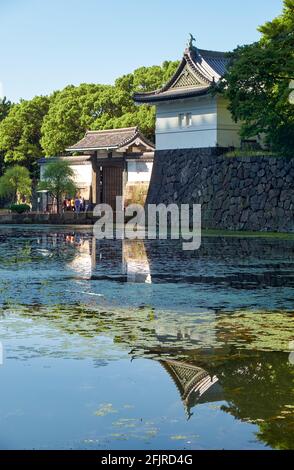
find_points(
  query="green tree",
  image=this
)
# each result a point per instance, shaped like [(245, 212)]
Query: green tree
[(72, 111), (142, 79), (257, 83), (20, 132), (16, 183), (58, 180), (142, 116), (75, 109), (5, 106)]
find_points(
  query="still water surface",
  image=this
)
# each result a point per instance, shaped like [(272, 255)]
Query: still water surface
[(125, 345)]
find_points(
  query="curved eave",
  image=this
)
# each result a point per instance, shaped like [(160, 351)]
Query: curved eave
[(141, 138), (169, 96), (90, 149)]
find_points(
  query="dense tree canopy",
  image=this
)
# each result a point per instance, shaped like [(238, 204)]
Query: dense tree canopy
[(257, 83), (20, 132), (47, 125), (71, 112), (75, 109)]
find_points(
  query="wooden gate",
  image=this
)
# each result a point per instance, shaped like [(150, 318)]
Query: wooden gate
[(111, 184)]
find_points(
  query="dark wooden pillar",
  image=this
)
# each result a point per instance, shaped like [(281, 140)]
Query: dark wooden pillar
[(95, 181)]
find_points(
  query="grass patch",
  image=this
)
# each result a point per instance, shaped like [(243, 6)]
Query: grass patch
[(252, 153), (245, 234)]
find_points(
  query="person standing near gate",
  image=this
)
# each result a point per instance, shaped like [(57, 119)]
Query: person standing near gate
[(77, 205)]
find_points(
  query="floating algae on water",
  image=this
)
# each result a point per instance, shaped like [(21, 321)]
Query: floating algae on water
[(206, 345)]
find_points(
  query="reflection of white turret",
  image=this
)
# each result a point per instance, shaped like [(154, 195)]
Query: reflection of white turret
[(135, 262), (195, 328)]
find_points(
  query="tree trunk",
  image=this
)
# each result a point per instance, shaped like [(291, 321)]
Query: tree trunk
[(58, 204)]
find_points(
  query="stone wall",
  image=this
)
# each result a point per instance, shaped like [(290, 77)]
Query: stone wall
[(236, 193)]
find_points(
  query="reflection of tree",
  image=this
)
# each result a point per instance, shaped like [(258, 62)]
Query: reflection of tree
[(259, 387)]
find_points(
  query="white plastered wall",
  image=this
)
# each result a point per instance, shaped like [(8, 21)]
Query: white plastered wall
[(139, 172), (227, 128), (212, 124), (201, 133)]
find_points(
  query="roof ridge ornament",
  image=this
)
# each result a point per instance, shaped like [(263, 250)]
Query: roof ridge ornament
[(190, 43)]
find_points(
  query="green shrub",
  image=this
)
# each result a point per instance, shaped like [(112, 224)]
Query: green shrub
[(20, 208), (251, 153)]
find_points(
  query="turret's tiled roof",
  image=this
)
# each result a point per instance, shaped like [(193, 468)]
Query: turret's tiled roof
[(197, 72), (218, 61)]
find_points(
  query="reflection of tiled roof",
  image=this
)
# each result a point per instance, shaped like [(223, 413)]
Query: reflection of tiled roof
[(110, 139), (191, 381), (197, 72), (171, 95)]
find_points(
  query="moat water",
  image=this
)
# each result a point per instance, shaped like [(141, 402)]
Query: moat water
[(140, 345)]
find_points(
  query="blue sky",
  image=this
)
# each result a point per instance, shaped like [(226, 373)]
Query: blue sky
[(48, 44)]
